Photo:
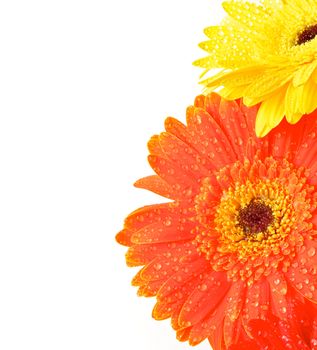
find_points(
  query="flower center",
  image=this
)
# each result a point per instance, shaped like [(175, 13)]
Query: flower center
[(255, 217), (307, 34), (252, 218)]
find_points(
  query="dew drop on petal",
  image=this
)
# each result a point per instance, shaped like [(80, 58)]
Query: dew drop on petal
[(313, 342), (311, 252), (203, 287), (239, 141), (168, 223), (283, 291), (309, 295), (157, 267), (299, 286)]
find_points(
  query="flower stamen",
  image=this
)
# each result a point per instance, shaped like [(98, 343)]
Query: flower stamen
[(255, 217), (307, 34)]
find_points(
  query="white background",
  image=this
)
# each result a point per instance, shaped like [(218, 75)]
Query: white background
[(83, 86)]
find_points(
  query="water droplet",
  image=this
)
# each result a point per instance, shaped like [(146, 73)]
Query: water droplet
[(283, 291), (309, 295), (157, 267), (239, 141), (141, 218), (313, 342), (168, 222), (204, 325), (212, 155), (311, 252), (178, 278), (203, 287), (299, 286)]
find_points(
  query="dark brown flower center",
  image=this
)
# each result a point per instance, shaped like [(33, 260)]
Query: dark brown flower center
[(255, 217), (307, 34)]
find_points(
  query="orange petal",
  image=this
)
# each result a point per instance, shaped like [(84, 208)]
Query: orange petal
[(149, 289), (183, 334), (166, 231), (303, 273), (257, 303), (157, 185), (169, 171), (124, 237), (142, 254), (164, 266), (205, 297), (187, 158), (280, 307), (172, 303), (154, 146), (181, 280), (209, 138)]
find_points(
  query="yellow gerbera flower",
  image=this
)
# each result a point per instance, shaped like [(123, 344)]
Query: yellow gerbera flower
[(267, 52)]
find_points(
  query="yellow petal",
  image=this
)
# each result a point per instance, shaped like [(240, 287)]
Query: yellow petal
[(270, 113), (207, 46), (231, 94), (251, 101), (304, 73), (271, 81), (249, 14), (292, 103), (236, 78), (308, 100), (225, 46), (314, 76), (206, 62), (211, 32), (294, 118)]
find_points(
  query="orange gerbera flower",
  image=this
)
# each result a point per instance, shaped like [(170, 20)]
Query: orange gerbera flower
[(237, 241)]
